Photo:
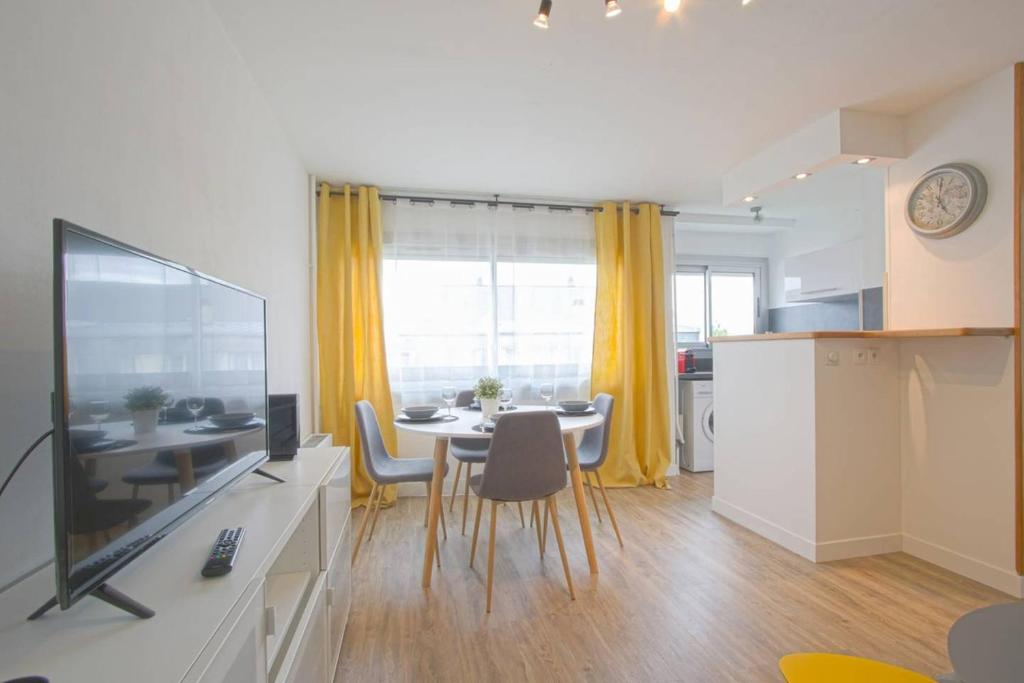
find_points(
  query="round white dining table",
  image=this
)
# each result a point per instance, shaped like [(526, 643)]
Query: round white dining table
[(461, 428)]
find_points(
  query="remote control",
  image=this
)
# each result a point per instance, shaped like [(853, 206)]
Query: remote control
[(222, 556)]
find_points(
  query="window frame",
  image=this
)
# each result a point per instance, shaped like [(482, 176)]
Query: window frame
[(726, 265)]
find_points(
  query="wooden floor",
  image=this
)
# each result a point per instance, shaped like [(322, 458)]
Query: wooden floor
[(692, 597)]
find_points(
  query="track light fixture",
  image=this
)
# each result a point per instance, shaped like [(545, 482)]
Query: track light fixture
[(543, 14), (611, 9)]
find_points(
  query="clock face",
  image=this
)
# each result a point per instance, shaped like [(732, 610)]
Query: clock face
[(946, 200)]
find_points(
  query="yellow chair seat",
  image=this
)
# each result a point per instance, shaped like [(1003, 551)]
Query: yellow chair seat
[(814, 667)]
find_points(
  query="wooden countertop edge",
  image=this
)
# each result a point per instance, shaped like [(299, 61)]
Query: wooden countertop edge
[(873, 334)]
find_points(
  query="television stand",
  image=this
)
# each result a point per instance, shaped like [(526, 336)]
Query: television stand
[(107, 594), (268, 475)]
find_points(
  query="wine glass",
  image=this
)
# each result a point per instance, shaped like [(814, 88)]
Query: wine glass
[(448, 396), (505, 397), (547, 392), (168, 404), (195, 406), (98, 412)]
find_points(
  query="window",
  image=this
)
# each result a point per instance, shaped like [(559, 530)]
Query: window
[(719, 299), (474, 291)]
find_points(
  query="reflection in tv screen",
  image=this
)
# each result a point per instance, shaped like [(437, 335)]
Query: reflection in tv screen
[(164, 398)]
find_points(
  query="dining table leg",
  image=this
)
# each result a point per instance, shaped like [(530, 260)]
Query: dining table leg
[(581, 502), (186, 473), (434, 506)]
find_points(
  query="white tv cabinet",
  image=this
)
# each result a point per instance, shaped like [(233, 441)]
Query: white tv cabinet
[(278, 617)]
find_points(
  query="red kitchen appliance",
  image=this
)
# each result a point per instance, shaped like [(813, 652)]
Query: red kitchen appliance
[(685, 361)]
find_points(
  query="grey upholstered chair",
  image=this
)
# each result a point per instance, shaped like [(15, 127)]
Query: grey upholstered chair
[(469, 452), (384, 470), (526, 461), (593, 450)]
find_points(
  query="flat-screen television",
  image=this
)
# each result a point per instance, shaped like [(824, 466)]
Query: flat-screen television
[(160, 399)]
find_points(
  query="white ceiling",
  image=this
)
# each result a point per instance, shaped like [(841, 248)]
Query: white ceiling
[(468, 96)]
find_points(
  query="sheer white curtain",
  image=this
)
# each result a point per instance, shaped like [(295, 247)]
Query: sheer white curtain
[(474, 291)]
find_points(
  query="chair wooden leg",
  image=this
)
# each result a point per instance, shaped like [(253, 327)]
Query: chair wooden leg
[(608, 507), (553, 504), (455, 486), (362, 525), (544, 532), (135, 491), (535, 512), (437, 550), (593, 496), (491, 542), (376, 512), (476, 530), (522, 518), (465, 497)]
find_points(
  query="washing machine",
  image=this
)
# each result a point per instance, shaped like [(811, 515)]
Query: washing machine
[(698, 418)]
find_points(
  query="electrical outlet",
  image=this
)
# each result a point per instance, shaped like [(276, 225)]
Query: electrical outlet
[(860, 356), (832, 358), (873, 356)]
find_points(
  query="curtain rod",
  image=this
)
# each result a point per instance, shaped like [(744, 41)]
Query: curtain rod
[(421, 199)]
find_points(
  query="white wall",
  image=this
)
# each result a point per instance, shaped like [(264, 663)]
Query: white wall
[(138, 119), (967, 279), (705, 243), (956, 418), (765, 449), (957, 395)]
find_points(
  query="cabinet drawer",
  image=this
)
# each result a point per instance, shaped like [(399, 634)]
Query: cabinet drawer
[(339, 593), (306, 659), (237, 651), (335, 507)]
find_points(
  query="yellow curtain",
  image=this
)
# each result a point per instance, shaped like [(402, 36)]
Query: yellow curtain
[(629, 360), (350, 326)]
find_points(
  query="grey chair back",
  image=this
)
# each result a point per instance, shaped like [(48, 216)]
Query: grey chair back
[(986, 644), (464, 398), (593, 446), (526, 460), (375, 452)]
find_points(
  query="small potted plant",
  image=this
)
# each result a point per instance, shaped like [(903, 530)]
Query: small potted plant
[(145, 404), (486, 391)]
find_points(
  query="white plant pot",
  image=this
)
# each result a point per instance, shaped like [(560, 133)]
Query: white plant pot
[(488, 407), (145, 421)]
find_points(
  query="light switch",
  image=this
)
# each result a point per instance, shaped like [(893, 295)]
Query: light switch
[(832, 358), (860, 356), (873, 356)]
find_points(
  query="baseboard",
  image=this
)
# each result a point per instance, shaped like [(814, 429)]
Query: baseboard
[(773, 532), (1001, 579), (858, 547)]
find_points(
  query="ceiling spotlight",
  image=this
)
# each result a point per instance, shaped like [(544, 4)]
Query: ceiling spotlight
[(611, 9), (749, 198), (746, 2), (543, 14), (672, 5), (864, 160), (802, 176)]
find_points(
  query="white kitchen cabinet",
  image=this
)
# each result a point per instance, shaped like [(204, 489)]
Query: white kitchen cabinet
[(830, 273), (236, 653), (307, 659)]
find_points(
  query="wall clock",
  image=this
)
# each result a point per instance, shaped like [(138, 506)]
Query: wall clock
[(946, 200)]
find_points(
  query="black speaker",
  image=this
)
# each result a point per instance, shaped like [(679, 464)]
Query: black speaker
[(283, 425)]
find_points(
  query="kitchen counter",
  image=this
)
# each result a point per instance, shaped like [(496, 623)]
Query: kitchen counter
[(696, 376), (871, 334)]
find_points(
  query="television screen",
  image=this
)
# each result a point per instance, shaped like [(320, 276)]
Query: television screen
[(160, 402)]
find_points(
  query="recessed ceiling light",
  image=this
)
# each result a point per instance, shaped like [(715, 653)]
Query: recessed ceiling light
[(672, 5), (802, 176), (611, 9), (746, 2), (864, 160), (749, 198), (543, 14)]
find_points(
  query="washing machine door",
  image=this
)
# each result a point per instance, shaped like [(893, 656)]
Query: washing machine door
[(707, 422)]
